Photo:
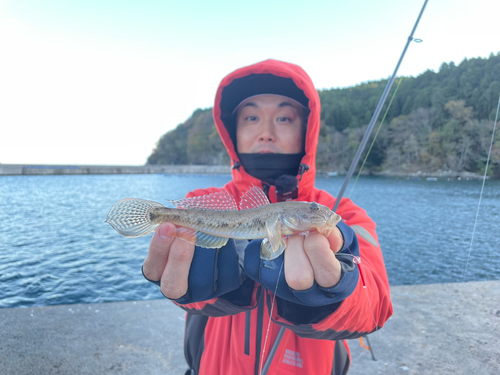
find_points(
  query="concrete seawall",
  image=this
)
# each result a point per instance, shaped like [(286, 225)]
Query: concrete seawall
[(436, 329), (28, 169)]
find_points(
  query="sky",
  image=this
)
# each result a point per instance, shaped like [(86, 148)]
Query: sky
[(98, 82)]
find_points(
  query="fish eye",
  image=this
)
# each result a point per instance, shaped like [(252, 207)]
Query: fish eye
[(313, 206)]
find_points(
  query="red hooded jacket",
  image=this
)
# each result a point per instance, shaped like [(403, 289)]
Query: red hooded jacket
[(225, 338)]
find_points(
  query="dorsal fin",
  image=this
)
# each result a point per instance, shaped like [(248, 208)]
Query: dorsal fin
[(252, 198), (217, 201)]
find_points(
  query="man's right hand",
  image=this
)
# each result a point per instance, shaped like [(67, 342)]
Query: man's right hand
[(169, 260)]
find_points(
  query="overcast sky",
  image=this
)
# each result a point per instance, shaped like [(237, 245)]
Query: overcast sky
[(98, 82)]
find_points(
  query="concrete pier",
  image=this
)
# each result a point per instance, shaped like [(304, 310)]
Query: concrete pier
[(29, 169), (436, 329)]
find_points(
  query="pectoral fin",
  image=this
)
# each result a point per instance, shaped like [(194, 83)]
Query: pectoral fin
[(267, 252), (274, 245)]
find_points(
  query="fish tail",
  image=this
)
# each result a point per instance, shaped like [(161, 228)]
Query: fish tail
[(131, 217)]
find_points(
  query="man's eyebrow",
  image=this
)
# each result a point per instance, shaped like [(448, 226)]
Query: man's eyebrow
[(286, 104), (250, 104), (281, 105)]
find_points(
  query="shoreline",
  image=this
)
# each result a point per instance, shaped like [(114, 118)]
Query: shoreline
[(436, 174), (436, 329), (36, 170), (47, 170)]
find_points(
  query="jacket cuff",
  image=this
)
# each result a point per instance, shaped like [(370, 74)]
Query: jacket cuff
[(348, 279), (271, 273), (151, 281), (213, 272)]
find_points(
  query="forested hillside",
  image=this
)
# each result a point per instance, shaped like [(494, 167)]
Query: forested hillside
[(437, 121)]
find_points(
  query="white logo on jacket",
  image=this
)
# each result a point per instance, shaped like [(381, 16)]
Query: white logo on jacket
[(292, 358)]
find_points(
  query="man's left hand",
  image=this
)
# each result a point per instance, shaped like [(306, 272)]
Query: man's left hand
[(312, 258)]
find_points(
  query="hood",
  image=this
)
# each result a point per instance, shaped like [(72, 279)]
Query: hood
[(293, 82)]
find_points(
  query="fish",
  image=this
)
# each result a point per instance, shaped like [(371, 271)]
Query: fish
[(211, 220)]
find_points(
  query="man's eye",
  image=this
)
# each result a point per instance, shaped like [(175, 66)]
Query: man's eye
[(251, 118), (284, 119)]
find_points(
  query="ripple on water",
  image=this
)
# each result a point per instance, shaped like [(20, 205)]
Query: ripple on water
[(56, 249)]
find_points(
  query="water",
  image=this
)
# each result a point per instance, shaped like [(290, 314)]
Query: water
[(56, 249)]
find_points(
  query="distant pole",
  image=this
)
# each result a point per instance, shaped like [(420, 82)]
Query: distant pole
[(375, 115)]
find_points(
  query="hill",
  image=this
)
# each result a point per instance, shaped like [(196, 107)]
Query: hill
[(438, 121)]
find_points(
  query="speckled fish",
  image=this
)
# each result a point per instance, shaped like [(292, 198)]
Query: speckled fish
[(210, 220)]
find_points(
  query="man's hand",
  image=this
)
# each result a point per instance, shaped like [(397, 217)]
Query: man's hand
[(312, 257), (169, 260)]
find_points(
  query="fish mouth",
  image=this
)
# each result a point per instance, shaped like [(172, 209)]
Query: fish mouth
[(333, 220)]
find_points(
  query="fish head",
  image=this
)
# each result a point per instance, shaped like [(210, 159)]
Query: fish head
[(312, 216)]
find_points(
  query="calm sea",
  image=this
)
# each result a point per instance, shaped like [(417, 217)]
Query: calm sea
[(56, 249)]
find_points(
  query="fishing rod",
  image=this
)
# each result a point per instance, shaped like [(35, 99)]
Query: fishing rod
[(355, 161), (377, 112)]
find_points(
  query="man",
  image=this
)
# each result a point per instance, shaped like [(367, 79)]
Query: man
[(268, 116)]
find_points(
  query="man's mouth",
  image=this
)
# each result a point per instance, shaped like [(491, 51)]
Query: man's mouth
[(266, 150)]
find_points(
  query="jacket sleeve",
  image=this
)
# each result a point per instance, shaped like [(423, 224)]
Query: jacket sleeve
[(217, 285), (365, 310), (269, 273)]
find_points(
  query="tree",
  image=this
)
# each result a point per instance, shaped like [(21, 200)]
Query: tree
[(436, 120)]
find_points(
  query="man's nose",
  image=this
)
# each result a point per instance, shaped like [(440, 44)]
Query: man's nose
[(268, 132)]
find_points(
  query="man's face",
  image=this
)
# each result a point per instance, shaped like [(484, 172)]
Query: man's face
[(270, 123)]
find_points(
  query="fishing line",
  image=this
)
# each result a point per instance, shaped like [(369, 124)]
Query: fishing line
[(268, 363), (481, 194), (375, 137)]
